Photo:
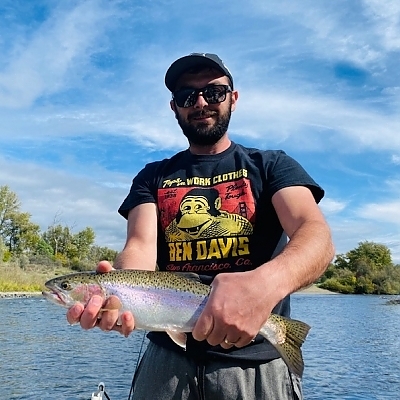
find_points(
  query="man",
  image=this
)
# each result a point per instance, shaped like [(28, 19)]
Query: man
[(224, 212)]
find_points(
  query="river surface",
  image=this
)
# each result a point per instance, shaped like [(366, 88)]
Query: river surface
[(351, 353)]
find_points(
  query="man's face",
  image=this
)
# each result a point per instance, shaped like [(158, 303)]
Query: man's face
[(204, 124)]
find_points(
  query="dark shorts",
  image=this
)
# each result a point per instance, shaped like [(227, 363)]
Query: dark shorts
[(167, 375)]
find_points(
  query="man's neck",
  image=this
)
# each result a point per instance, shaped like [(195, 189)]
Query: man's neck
[(216, 148)]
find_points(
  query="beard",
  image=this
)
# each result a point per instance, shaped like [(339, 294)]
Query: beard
[(204, 134)]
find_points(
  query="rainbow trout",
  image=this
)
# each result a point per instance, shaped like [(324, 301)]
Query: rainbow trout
[(165, 301)]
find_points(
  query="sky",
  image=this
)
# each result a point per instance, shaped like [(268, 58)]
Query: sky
[(83, 106)]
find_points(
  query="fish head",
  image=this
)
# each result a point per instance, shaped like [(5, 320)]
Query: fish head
[(70, 289)]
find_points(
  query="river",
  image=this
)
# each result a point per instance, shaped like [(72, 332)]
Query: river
[(351, 353)]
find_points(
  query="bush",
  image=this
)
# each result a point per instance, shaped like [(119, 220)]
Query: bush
[(334, 285)]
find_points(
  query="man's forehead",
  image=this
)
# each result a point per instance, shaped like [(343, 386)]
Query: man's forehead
[(201, 78)]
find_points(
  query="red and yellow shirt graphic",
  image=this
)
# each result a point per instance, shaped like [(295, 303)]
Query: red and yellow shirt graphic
[(206, 223)]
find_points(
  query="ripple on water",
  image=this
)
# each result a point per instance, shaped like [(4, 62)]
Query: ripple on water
[(352, 352)]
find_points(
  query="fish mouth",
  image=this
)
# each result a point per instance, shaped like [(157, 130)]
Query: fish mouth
[(55, 297)]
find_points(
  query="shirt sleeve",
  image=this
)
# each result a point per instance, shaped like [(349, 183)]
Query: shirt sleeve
[(142, 190), (286, 172)]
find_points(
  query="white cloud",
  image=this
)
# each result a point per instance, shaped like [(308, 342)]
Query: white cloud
[(386, 15), (396, 159), (55, 55), (331, 206), (382, 212), (283, 56), (74, 201), (314, 120)]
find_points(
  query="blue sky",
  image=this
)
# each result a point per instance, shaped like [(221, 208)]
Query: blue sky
[(83, 104)]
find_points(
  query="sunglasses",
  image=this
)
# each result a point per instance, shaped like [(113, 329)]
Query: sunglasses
[(212, 94)]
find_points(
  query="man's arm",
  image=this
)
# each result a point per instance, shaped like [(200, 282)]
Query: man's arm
[(310, 249), (240, 303), (140, 252)]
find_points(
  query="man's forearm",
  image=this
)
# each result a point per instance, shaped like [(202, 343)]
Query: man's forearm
[(302, 261), (135, 258)]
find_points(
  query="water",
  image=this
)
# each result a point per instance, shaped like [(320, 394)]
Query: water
[(352, 351)]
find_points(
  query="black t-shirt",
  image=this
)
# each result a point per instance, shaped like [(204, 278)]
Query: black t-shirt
[(216, 215)]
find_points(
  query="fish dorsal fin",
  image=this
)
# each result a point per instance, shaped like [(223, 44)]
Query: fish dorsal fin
[(188, 275), (178, 337)]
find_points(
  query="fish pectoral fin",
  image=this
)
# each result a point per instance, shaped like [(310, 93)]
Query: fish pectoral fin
[(110, 307), (178, 337)]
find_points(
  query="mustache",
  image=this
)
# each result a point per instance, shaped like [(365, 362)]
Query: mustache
[(202, 114)]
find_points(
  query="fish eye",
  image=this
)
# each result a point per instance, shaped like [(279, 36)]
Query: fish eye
[(65, 285)]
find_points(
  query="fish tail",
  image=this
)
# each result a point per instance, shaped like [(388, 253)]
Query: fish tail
[(291, 335)]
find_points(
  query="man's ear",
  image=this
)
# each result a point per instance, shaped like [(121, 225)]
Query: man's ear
[(173, 107), (235, 96)]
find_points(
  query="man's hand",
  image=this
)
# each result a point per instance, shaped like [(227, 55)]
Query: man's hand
[(91, 315), (238, 306)]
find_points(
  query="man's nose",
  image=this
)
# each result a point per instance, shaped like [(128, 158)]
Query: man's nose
[(200, 102)]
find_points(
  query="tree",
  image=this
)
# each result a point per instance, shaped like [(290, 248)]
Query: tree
[(22, 238), (80, 243), (44, 249), (98, 253), (20, 234), (366, 269), (368, 255), (2, 250), (59, 238), (9, 205)]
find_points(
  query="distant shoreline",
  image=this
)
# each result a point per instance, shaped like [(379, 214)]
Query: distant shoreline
[(313, 289), (19, 295)]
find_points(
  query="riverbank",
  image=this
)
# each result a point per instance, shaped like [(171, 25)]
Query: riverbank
[(313, 289), (19, 295)]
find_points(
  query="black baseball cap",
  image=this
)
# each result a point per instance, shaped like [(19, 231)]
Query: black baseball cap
[(182, 64)]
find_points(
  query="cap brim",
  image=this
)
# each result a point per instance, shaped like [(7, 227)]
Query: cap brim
[(183, 64)]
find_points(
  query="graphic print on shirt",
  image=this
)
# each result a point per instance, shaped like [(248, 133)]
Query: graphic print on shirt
[(207, 227)]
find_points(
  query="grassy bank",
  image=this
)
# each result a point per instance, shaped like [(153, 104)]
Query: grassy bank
[(30, 279)]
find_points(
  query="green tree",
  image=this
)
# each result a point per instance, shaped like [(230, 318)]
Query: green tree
[(366, 269), (98, 253), (44, 249), (59, 238), (9, 206), (376, 255), (20, 234), (2, 250), (80, 243)]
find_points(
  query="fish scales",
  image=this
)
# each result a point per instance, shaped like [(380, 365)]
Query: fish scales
[(165, 301), (160, 280)]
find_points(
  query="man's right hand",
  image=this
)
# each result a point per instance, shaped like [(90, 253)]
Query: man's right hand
[(91, 315)]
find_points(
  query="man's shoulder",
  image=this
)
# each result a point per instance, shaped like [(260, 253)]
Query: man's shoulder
[(267, 155), (154, 165)]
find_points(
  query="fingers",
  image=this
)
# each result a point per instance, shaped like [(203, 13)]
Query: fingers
[(240, 342), (104, 316), (104, 266), (74, 313), (228, 343), (125, 325), (203, 327), (100, 313), (107, 317), (215, 332), (221, 323), (88, 318), (226, 336)]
